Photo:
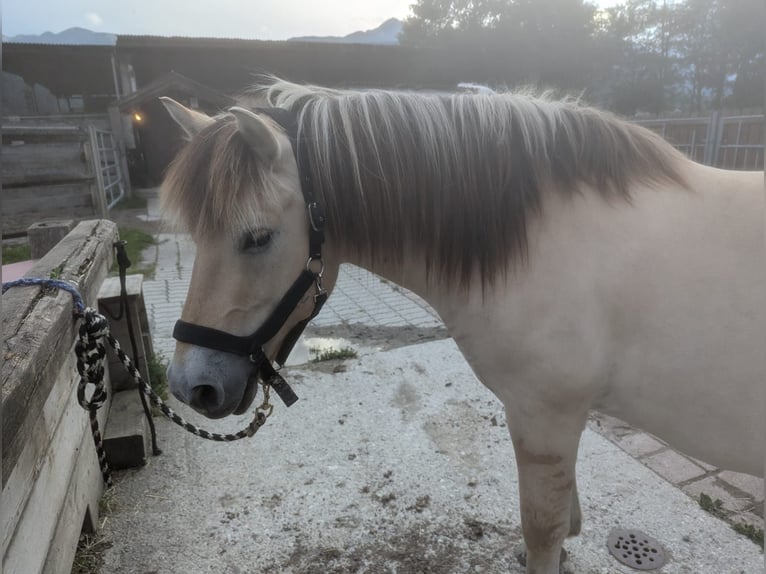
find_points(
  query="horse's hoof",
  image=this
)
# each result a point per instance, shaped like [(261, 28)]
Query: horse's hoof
[(521, 556)]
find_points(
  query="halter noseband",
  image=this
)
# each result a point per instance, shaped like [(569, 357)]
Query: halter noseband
[(252, 345)]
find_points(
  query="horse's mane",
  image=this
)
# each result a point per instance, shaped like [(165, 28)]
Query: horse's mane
[(455, 176)]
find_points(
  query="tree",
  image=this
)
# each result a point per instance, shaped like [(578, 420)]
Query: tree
[(514, 41), (637, 59), (722, 48), (642, 55), (742, 27)]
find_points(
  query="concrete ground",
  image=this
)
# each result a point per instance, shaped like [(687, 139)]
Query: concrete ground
[(396, 461)]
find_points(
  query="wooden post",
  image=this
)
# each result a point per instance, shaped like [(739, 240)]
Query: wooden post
[(109, 304), (44, 236)]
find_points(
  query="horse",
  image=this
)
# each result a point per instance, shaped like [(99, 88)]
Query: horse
[(579, 262)]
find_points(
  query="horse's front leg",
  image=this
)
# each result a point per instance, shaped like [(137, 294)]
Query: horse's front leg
[(545, 439)]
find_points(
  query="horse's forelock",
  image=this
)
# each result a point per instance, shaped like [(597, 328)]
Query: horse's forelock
[(216, 186)]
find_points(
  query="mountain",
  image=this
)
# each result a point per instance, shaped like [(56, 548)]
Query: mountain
[(79, 36), (386, 33)]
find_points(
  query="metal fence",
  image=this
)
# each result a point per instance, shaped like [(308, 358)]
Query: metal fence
[(733, 142), (108, 172)]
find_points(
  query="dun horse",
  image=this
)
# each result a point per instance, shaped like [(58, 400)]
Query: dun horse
[(578, 261)]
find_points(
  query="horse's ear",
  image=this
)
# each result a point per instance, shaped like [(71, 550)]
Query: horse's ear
[(190, 121), (259, 134)]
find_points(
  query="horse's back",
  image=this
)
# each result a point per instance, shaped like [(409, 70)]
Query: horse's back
[(654, 311), (689, 321)]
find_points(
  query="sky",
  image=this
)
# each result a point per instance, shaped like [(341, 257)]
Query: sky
[(262, 19)]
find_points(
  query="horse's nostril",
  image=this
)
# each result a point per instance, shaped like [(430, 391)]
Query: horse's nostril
[(205, 397)]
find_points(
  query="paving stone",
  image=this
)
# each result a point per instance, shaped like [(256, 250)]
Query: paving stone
[(639, 444), (703, 464), (746, 483), (749, 518), (673, 467), (716, 490)]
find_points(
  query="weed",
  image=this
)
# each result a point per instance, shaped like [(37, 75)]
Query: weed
[(714, 507), (57, 271), (332, 354), (158, 379), (751, 532)]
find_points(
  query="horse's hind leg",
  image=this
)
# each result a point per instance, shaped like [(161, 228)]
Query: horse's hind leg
[(545, 442)]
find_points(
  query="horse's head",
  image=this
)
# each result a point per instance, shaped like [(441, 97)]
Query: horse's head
[(235, 187)]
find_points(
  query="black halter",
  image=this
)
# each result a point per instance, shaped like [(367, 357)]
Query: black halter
[(252, 346)]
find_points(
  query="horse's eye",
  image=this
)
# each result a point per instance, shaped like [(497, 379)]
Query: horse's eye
[(256, 240)]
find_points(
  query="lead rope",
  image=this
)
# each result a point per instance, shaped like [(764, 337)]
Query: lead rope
[(91, 357)]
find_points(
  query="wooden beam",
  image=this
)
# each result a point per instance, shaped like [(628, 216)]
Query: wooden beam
[(27, 205), (35, 163)]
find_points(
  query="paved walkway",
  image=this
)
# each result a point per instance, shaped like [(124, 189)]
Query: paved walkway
[(397, 463)]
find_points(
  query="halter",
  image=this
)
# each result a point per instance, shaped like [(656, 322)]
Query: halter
[(252, 346)]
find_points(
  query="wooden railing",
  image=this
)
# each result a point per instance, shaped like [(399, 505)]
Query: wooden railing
[(51, 482)]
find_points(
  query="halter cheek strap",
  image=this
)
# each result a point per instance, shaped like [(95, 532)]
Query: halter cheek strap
[(252, 346)]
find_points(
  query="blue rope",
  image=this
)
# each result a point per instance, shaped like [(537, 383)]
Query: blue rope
[(79, 305)]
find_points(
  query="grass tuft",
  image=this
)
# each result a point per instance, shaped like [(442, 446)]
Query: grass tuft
[(133, 202), (16, 253), (332, 354), (714, 507), (137, 241), (158, 379), (751, 532)]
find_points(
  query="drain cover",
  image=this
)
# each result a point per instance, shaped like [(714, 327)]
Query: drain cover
[(636, 549)]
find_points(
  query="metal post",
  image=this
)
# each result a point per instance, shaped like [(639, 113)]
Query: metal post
[(712, 139), (99, 201)]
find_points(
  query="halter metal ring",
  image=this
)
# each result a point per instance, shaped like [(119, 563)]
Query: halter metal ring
[(321, 266)]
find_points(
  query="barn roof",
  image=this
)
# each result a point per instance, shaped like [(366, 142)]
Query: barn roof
[(174, 82)]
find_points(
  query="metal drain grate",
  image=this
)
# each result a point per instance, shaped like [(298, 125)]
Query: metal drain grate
[(636, 549)]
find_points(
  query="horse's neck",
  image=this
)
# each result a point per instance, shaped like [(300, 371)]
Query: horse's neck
[(411, 274)]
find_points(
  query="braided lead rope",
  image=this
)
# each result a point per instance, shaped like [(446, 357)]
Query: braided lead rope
[(91, 356)]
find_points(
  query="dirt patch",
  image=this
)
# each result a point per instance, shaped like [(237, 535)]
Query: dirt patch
[(470, 546), (376, 336), (456, 432)]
